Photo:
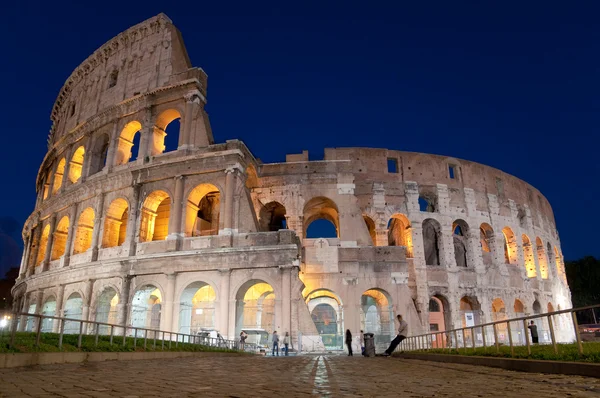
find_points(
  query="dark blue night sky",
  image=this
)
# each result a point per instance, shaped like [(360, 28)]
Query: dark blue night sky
[(512, 85)]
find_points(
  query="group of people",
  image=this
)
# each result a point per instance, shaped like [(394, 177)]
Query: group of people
[(286, 342), (402, 331)]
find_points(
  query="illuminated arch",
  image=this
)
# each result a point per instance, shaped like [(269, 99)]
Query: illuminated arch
[(255, 307), (115, 223), (155, 217), (542, 259), (400, 233), (510, 246), (202, 212), (197, 308), (83, 234), (160, 131), (126, 142), (529, 257), (371, 228), (58, 176), (43, 245), (76, 164), (146, 306), (487, 240), (60, 239)]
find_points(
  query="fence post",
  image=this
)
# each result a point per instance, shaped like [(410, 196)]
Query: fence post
[(145, 338), (163, 341), (170, 339), (80, 334), (551, 326), (96, 338), (154, 346), (125, 336), (473, 337), (496, 338), (510, 341), (483, 337), (526, 336), (134, 338), (38, 332), (61, 333), (13, 331), (111, 334), (456, 340), (462, 331), (576, 326)]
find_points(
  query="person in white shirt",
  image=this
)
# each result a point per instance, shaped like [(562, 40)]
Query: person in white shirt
[(402, 331)]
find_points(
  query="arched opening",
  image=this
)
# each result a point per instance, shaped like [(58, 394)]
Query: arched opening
[(60, 239), (376, 315), (251, 177), (106, 309), (155, 217), (272, 217), (48, 309), (438, 319), (58, 176), (30, 320), (371, 228), (542, 259), (321, 208), (470, 314), (486, 238), (43, 245), (83, 235), (197, 308), (537, 307), (47, 185), (73, 310), (431, 241), (115, 223), (529, 259), (510, 246), (99, 153), (460, 231), (166, 132), (326, 311), (399, 233), (255, 311), (202, 211), (539, 322), (129, 143), (146, 308), (499, 314), (518, 331), (76, 165), (427, 204)]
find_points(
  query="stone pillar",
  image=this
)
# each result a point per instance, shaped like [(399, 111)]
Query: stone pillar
[(98, 224), (25, 257), (146, 135), (175, 222), (24, 309), (124, 302), (49, 242), (87, 302), (34, 251), (420, 270), (229, 190), (71, 236), (38, 308), (223, 319), (113, 144), (133, 221), (446, 254), (60, 297), (184, 140), (168, 304), (286, 302)]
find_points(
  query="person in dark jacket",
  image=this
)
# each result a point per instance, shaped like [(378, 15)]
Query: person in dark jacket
[(349, 342), (534, 334)]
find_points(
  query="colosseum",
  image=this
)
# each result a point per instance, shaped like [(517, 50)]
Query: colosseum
[(198, 236)]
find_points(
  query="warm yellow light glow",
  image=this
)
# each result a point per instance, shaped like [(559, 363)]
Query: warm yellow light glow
[(58, 176), (76, 165), (83, 235)]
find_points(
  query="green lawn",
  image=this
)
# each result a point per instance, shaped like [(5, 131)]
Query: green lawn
[(25, 342), (566, 352)]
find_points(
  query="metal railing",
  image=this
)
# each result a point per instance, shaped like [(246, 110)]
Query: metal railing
[(492, 334), (118, 334)]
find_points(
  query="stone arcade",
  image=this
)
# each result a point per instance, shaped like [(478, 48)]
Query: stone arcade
[(204, 236)]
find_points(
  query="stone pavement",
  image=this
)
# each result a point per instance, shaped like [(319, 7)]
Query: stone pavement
[(302, 376)]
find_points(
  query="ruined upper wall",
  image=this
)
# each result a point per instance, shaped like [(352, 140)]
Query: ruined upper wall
[(142, 58), (371, 165)]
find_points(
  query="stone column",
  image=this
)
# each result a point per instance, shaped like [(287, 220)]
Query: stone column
[(146, 135), (25, 257), (87, 302), (49, 242), (23, 320), (184, 140), (175, 222), (71, 236), (133, 221), (33, 255), (98, 224), (59, 308), (113, 143), (474, 257), (168, 304), (124, 300), (229, 189), (420, 270), (286, 302), (223, 319), (446, 254), (38, 308)]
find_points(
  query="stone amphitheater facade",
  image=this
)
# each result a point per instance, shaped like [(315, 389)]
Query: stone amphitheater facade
[(206, 236)]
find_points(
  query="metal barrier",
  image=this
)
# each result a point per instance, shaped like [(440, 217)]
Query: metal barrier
[(118, 334), (465, 337)]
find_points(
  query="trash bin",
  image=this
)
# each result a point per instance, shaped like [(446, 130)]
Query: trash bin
[(369, 344)]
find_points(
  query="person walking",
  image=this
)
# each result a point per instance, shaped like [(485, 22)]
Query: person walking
[(402, 331), (286, 343), (349, 342), (275, 343), (534, 334), (243, 337), (362, 343)]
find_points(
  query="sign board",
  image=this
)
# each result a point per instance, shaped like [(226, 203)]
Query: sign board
[(469, 319)]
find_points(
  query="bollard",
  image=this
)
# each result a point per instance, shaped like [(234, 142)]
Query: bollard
[(576, 326)]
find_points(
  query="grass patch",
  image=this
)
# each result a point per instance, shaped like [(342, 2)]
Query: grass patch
[(25, 342), (566, 352)]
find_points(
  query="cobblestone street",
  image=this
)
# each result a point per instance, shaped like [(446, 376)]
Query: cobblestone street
[(233, 376)]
